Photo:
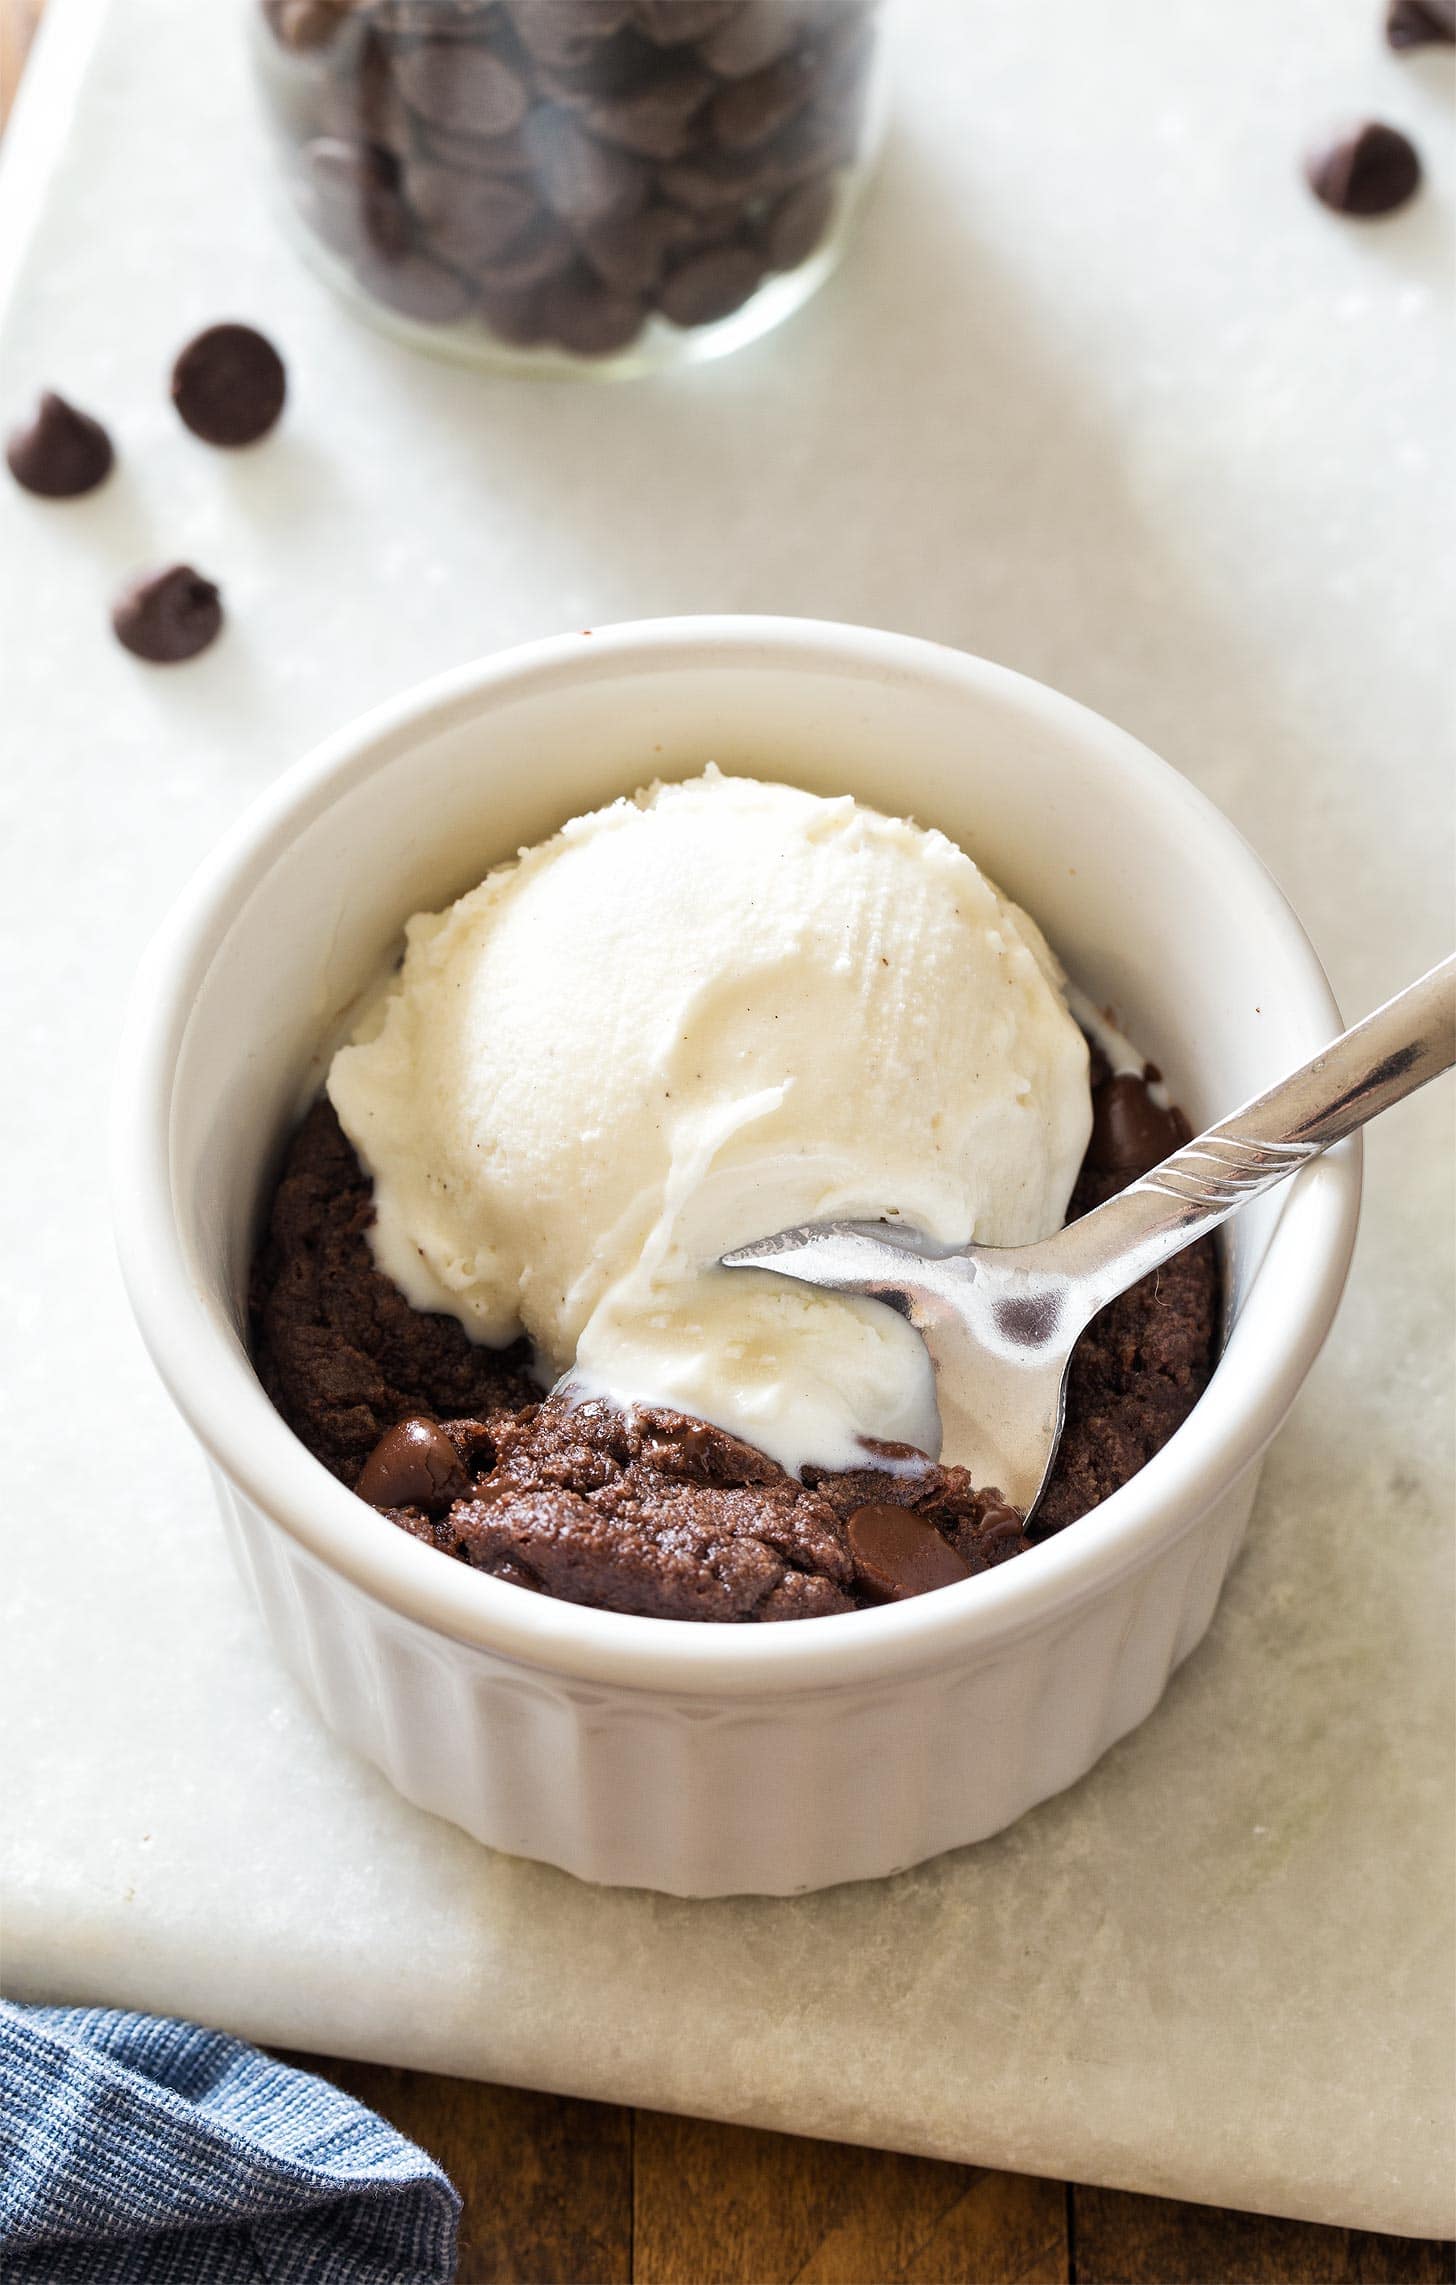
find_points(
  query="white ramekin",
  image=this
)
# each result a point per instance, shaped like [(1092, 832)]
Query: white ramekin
[(703, 1759)]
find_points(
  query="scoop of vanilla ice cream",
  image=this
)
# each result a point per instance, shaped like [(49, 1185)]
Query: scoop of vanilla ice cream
[(691, 1019)]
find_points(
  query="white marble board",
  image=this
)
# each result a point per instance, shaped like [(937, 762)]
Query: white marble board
[(1101, 393)]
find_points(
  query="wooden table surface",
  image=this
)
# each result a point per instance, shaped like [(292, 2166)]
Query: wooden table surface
[(559, 2192)]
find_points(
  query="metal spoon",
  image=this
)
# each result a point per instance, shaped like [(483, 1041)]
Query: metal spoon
[(1001, 1322)]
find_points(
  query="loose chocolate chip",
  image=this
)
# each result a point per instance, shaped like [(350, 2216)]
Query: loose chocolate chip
[(750, 111), (898, 1554), (470, 220), (1417, 23), (1130, 1132), (708, 286), (467, 90), (229, 385), (417, 288), (757, 34), (797, 223), (60, 452), (414, 1464), (1367, 170), (587, 317), (167, 616), (654, 120), (673, 23), (580, 178)]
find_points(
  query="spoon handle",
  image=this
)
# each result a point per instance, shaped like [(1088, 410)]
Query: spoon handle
[(1392, 1053)]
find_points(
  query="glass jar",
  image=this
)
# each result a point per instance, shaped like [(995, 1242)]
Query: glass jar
[(572, 185)]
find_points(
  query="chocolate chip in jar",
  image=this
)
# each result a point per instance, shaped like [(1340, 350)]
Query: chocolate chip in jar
[(417, 287), (709, 286), (656, 119), (580, 178), (349, 194), (587, 317), (467, 220), (303, 25), (1420, 23), (567, 35), (798, 223), (675, 23), (748, 113), (755, 35), (465, 89), (631, 251)]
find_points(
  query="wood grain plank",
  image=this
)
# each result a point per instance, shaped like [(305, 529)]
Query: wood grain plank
[(18, 20), (546, 2182), (1124, 2240), (724, 2205)]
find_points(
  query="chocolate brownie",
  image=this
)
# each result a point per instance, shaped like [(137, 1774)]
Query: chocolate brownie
[(653, 1512)]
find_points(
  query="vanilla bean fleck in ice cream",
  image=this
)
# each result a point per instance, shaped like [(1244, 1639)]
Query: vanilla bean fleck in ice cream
[(687, 1020)]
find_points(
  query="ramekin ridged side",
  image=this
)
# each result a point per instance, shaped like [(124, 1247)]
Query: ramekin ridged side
[(700, 1798)]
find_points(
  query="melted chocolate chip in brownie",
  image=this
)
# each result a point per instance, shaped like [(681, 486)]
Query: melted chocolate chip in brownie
[(655, 1513)]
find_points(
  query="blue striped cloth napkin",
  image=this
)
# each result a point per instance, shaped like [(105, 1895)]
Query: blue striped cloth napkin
[(138, 2151)]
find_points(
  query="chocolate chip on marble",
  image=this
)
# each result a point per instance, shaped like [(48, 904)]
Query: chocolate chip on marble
[(416, 287), (654, 120), (898, 1554), (414, 1464), (1366, 170), (167, 616), (464, 89), (674, 23), (708, 286), (587, 317), (1420, 23), (750, 111), (798, 223), (60, 452), (1130, 1131), (468, 220), (581, 179), (229, 385)]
